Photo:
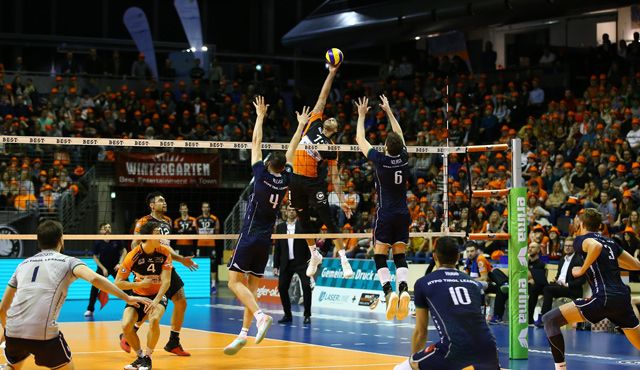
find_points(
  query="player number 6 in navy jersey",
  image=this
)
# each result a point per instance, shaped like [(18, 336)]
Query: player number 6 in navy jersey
[(398, 177)]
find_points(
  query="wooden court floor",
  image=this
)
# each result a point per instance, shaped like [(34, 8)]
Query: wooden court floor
[(94, 346)]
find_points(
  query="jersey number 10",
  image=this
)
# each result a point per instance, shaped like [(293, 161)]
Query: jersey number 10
[(460, 295)]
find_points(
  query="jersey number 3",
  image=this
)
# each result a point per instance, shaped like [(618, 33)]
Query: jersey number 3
[(460, 295)]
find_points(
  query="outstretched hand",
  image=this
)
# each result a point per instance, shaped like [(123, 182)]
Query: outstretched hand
[(363, 106), (304, 117), (385, 103), (261, 107)]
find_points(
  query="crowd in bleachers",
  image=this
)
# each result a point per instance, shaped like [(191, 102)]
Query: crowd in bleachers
[(579, 149)]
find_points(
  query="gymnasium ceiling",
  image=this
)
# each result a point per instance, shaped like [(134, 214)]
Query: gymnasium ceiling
[(360, 23)]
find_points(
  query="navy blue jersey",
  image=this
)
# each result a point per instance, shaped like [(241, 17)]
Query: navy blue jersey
[(392, 173), (604, 274), (264, 203), (455, 302)]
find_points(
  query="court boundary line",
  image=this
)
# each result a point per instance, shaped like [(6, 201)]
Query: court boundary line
[(234, 335)]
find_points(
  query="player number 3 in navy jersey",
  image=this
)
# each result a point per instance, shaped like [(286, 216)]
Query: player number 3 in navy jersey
[(611, 299)]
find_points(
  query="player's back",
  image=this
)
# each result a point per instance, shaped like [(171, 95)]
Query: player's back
[(455, 303), (604, 274), (268, 191), (42, 282), (392, 173)]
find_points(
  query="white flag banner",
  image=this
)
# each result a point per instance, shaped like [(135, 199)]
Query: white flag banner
[(189, 14), (138, 26)]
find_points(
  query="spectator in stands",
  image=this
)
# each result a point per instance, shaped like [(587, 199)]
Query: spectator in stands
[(554, 247), (547, 57), (25, 201), (607, 209), (69, 66), (167, 70), (93, 65), (196, 72), (216, 74), (46, 200), (140, 68), (537, 277), (488, 59), (564, 284)]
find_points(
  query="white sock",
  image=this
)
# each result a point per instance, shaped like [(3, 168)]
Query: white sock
[(149, 351), (213, 283), (259, 315), (384, 275), (140, 353), (561, 366), (243, 333), (402, 274), (343, 255)]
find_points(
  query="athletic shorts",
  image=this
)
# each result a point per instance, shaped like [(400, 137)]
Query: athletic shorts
[(52, 353), (176, 284), (431, 358), (140, 309), (251, 255), (392, 229), (307, 191), (617, 309)]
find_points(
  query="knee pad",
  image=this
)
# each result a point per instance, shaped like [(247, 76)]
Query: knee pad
[(400, 260), (553, 321), (380, 260)]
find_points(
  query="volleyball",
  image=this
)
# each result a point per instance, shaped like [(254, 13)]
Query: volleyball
[(334, 56)]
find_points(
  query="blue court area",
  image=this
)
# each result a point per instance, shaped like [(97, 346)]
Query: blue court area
[(371, 333)]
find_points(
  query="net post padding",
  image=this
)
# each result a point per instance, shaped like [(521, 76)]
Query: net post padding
[(489, 193), (518, 263)]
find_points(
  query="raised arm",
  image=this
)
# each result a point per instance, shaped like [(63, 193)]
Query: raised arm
[(256, 140), (628, 262), (326, 89), (362, 105), (395, 126), (303, 118)]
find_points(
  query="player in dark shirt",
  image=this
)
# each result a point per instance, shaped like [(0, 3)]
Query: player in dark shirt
[(455, 300), (392, 221), (107, 254), (250, 257), (610, 299), (308, 189)]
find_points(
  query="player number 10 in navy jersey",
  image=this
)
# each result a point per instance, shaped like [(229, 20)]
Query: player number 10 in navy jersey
[(460, 295)]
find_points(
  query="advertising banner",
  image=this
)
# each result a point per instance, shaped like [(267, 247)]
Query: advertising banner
[(268, 291), (356, 294), (172, 170), (518, 269)]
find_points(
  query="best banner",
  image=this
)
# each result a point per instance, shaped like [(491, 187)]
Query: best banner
[(518, 273), (170, 170)]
